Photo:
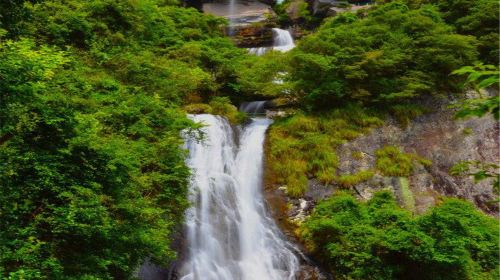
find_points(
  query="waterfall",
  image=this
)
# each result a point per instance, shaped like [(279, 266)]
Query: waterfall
[(231, 16), (230, 235), (282, 41), (254, 107)]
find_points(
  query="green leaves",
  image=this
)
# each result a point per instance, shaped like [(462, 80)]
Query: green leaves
[(92, 173), (392, 56), (379, 240), (480, 77)]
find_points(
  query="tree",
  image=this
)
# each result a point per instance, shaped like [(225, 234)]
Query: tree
[(393, 56)]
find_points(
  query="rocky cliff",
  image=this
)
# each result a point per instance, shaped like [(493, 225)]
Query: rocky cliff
[(436, 136)]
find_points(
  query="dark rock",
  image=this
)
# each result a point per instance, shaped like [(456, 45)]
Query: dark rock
[(439, 137), (249, 36)]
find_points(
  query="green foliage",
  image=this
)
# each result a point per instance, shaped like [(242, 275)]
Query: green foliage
[(480, 77), (222, 106), (379, 240), (394, 55), (392, 162), (348, 180), (478, 18), (258, 75), (92, 174), (218, 106), (150, 42), (303, 146)]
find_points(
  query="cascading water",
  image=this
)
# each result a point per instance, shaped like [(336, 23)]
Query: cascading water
[(253, 108), (282, 41), (229, 233)]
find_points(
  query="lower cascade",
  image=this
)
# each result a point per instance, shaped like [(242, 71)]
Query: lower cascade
[(230, 235)]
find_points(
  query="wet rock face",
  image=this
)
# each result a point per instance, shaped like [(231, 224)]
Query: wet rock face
[(250, 21), (252, 36)]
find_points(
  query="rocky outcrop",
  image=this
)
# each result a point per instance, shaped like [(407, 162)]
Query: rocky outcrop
[(334, 7), (440, 138), (436, 136), (250, 36), (250, 21)]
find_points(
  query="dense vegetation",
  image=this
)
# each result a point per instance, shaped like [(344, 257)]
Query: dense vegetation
[(478, 18), (391, 56), (379, 240), (92, 172), (388, 60), (93, 99), (304, 145)]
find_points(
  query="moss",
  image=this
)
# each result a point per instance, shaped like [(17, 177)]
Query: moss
[(467, 131), (406, 194), (218, 106), (392, 162), (349, 180), (302, 146), (198, 108), (357, 155)]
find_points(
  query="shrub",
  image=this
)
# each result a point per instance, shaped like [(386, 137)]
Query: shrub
[(392, 55), (379, 240), (198, 108)]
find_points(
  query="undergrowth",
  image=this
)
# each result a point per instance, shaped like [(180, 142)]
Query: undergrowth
[(218, 106), (302, 146), (391, 161)]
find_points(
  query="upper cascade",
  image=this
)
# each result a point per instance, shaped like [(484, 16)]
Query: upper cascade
[(282, 41), (254, 107)]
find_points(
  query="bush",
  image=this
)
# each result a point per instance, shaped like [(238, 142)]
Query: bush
[(92, 177), (394, 55), (392, 162), (379, 240), (222, 106)]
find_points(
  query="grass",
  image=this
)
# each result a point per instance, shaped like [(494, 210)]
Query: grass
[(218, 106), (349, 180), (304, 146), (404, 113), (391, 161)]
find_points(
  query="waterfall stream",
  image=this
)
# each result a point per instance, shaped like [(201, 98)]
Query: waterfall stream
[(230, 235), (282, 41)]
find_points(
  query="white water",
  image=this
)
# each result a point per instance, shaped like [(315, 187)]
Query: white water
[(230, 235), (282, 41), (231, 15), (255, 107)]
